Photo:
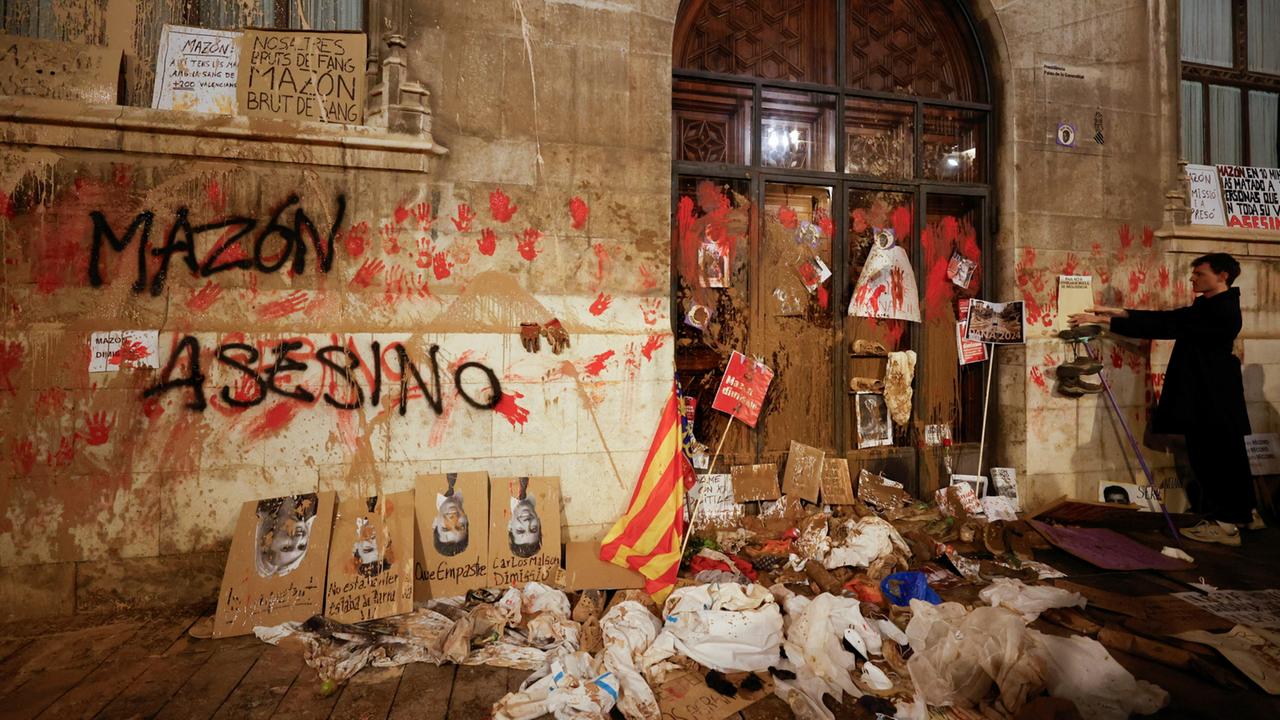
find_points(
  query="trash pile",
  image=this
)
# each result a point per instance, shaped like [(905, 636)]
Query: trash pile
[(889, 604)]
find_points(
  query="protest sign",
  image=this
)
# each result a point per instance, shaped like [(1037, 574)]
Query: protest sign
[(716, 506), (196, 70), (302, 75), (998, 323), (1206, 195), (524, 530), (742, 389), (371, 558), (1075, 295), (452, 553), (803, 475), (1250, 196), (1264, 453), (59, 70), (111, 351)]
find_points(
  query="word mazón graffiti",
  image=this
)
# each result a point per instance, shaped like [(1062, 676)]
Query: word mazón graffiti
[(339, 362), (273, 245)]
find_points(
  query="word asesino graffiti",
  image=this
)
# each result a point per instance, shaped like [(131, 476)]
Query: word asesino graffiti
[(341, 362), (273, 245)]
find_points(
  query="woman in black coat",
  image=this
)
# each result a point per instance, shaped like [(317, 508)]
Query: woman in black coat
[(1203, 396)]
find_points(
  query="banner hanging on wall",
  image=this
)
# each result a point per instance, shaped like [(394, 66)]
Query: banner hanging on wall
[(1235, 196)]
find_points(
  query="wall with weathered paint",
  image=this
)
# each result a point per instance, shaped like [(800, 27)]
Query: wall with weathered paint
[(123, 487)]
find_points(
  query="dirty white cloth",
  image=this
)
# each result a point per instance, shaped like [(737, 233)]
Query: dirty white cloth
[(813, 643), (726, 627), (575, 687), (1028, 600), (869, 539), (629, 629), (1081, 670), (900, 370)]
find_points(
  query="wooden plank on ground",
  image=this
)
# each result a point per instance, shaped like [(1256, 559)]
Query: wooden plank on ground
[(153, 687), (262, 688), (72, 649), (303, 701), (770, 707), (121, 668), (369, 694), (9, 646), (475, 689), (424, 692), (59, 666), (210, 685)]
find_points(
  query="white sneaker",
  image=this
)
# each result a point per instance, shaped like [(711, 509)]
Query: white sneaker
[(1256, 523), (1211, 532)]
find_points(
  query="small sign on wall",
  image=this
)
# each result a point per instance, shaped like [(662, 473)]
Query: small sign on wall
[(111, 351), (302, 75), (196, 70)]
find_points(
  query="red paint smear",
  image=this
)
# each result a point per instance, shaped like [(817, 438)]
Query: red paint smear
[(508, 409), (875, 298), (24, 453), (647, 280), (284, 307), (1096, 249), (1049, 360), (355, 239), (152, 408), (601, 304), (901, 221), (50, 401), (527, 243), (579, 211), (1037, 377), (401, 214), (500, 206), (1032, 308), (1117, 358), (441, 266), (129, 352), (787, 217), (596, 366), (1148, 236), (653, 343), (602, 257), (11, 354), (1137, 361), (273, 420), (893, 329), (6, 205), (938, 289), (487, 242), (62, 456), (825, 223), (898, 291), (217, 200), (1164, 277), (1126, 239), (823, 298), (859, 218), (465, 215), (122, 175), (713, 226)]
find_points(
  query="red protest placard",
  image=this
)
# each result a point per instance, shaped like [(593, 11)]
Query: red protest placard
[(742, 389)]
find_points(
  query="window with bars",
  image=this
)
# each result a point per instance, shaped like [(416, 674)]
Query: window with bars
[(1230, 91)]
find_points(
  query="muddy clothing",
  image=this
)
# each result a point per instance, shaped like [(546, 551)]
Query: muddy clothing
[(1203, 398)]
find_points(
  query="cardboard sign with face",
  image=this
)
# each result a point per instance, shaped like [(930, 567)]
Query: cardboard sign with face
[(371, 558), (524, 511), (452, 551), (276, 568)]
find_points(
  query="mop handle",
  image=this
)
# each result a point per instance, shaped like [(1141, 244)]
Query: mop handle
[(1133, 442)]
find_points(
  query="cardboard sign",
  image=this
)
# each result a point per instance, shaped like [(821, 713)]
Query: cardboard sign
[(1107, 548), (524, 529), (1254, 651), (999, 507), (742, 389), (1206, 195), (1264, 453), (803, 476), (1250, 196), (451, 535), (60, 70), (111, 351), (877, 492), (302, 75), (1004, 482), (755, 482), (837, 487), (196, 70), (714, 496), (1075, 295), (371, 558), (1260, 608), (687, 697), (996, 323), (276, 568), (977, 483), (1145, 498), (584, 570)]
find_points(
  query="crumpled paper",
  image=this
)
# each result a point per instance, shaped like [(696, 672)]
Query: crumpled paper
[(900, 370), (1028, 600), (869, 542), (573, 687)]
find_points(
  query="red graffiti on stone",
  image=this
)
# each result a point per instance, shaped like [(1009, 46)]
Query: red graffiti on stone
[(1148, 236), (464, 218), (1037, 377), (422, 215), (602, 257), (1164, 277), (508, 408), (487, 242), (152, 408), (596, 366), (401, 214), (367, 273), (600, 305), (51, 402), (61, 457), (651, 308), (217, 199), (578, 211), (500, 206), (390, 239), (272, 421), (284, 307), (651, 345), (205, 297), (647, 280), (527, 243), (6, 206)]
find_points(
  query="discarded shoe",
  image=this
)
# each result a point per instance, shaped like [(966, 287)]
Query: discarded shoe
[(1081, 332), (1208, 531), (1075, 387), (1256, 523), (1082, 365), (864, 384), (869, 348)]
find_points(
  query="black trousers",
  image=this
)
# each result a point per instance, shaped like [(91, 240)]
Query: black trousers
[(1223, 488)]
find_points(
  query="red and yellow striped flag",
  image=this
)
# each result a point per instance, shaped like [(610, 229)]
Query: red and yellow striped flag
[(647, 537)]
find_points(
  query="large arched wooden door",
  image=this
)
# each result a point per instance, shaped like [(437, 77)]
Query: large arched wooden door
[(799, 129)]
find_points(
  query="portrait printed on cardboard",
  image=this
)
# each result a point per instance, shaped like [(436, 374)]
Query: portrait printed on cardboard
[(524, 529), (450, 530), (283, 533), (372, 550)]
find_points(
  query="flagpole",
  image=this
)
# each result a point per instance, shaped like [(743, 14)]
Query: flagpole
[(986, 402), (698, 503)]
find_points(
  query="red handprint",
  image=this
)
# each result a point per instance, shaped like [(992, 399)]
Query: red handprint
[(205, 297), (465, 215), (288, 305), (1050, 360), (401, 215), (1072, 264), (99, 428), (647, 280), (422, 215), (62, 456), (896, 287), (367, 273), (393, 287), (425, 249), (50, 401), (1037, 377), (246, 390), (578, 211), (1117, 358), (825, 223), (1136, 279), (390, 239), (651, 309), (527, 243), (508, 408), (422, 283), (601, 304), (654, 342), (441, 266), (152, 408), (487, 242), (500, 206), (1164, 277), (24, 455), (356, 237), (130, 351)]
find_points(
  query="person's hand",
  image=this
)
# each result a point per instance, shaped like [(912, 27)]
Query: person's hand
[(1086, 318), (1109, 312)]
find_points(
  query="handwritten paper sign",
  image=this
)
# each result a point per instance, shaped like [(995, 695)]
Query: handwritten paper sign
[(687, 697), (524, 530), (1264, 453), (1250, 196), (742, 389), (60, 70), (276, 568), (1206, 195), (715, 493), (302, 75), (111, 351), (371, 558), (196, 70), (803, 476), (452, 536)]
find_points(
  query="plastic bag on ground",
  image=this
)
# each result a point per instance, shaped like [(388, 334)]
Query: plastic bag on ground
[(868, 541), (1081, 670), (901, 588), (629, 628), (726, 627), (1028, 600)]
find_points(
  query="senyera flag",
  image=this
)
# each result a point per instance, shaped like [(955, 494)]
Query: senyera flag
[(647, 537), (742, 389)]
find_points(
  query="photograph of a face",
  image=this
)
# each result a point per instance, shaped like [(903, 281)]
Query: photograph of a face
[(874, 426), (524, 529), (283, 533), (450, 530)]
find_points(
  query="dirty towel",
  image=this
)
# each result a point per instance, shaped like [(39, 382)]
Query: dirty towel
[(726, 627)]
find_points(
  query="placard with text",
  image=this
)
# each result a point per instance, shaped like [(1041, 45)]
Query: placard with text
[(524, 530), (302, 75), (371, 558), (743, 388), (452, 535)]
